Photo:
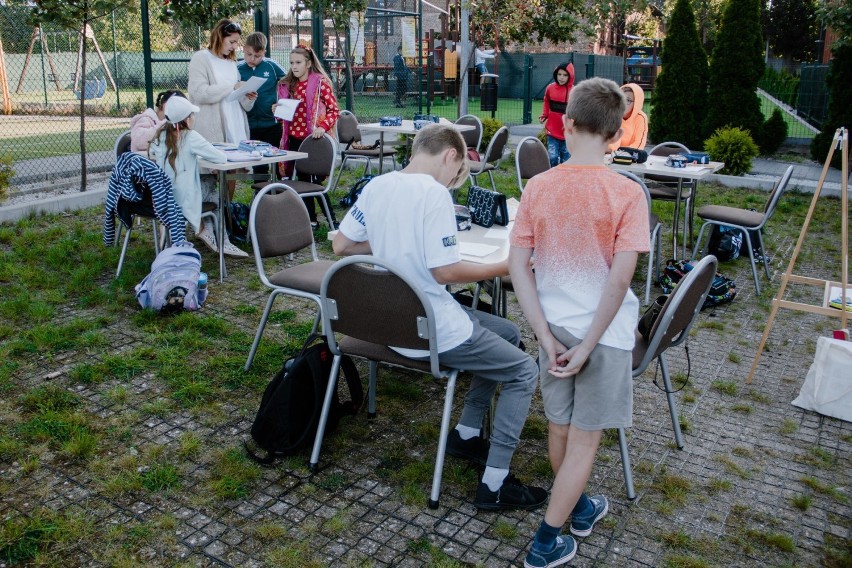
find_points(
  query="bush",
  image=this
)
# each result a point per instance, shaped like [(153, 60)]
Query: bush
[(773, 133), (839, 104), (489, 127), (733, 146), (783, 86), (6, 173)]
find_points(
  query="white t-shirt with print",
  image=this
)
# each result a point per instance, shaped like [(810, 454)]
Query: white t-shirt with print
[(409, 221)]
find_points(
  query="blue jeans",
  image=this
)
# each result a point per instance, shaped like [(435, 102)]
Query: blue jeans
[(557, 151)]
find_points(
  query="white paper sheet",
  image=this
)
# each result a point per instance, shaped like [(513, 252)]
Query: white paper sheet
[(242, 156), (250, 86), (476, 249), (498, 232), (286, 108)]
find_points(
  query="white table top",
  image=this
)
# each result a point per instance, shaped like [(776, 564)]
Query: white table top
[(407, 127), (227, 166), (656, 165)]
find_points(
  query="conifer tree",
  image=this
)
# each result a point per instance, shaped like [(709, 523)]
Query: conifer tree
[(680, 91), (839, 102), (735, 69)]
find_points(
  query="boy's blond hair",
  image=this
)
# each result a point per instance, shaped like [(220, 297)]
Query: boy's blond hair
[(597, 106), (257, 41), (434, 139)]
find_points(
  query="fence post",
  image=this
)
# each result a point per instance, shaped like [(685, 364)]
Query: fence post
[(528, 66), (590, 66), (146, 54)]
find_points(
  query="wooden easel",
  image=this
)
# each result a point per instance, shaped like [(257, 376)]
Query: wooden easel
[(841, 140)]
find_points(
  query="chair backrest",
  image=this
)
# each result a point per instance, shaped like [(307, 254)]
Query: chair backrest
[(666, 148), (122, 143), (775, 196), (494, 153), (472, 138), (320, 160), (680, 310), (530, 159), (367, 298), (347, 128), (637, 179), (279, 224)]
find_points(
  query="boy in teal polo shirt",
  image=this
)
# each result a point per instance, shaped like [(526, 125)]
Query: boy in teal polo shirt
[(262, 123)]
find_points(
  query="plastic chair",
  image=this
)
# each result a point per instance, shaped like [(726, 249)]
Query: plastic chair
[(374, 309), (492, 158), (671, 328), (279, 225), (472, 138), (531, 159), (656, 229), (673, 188), (748, 222), (349, 134)]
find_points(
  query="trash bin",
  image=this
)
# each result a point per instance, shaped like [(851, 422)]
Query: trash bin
[(488, 92)]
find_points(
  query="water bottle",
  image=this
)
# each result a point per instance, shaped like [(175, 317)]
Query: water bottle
[(202, 288)]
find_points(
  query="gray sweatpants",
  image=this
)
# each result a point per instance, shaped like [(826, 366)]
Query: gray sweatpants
[(492, 356)]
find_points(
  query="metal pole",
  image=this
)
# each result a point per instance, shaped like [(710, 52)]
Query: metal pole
[(115, 63), (146, 55), (419, 56), (317, 31), (464, 59), (261, 21), (528, 66)]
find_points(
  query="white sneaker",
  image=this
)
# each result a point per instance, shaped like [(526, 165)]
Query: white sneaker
[(209, 239), (231, 250)]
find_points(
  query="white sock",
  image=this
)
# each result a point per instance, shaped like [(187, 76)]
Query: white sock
[(493, 477), (467, 432)]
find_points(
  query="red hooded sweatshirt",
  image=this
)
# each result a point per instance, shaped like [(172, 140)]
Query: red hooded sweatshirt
[(555, 99)]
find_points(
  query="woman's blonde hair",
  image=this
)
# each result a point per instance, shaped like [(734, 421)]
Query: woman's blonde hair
[(220, 31), (316, 67)]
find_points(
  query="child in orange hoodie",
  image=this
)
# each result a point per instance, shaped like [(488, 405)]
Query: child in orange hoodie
[(555, 98), (635, 122)]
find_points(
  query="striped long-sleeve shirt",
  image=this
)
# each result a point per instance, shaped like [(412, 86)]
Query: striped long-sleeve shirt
[(121, 186)]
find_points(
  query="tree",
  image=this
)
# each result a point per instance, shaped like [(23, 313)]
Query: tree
[(839, 18), (680, 91), (77, 15), (526, 20), (792, 29), (204, 13), (735, 69)]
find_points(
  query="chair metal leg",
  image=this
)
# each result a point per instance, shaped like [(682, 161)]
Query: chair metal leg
[(625, 463), (650, 269), (123, 250), (156, 237), (326, 205), (664, 370), (762, 251), (697, 249), (491, 177), (477, 289), (442, 440), (371, 393), (751, 260), (326, 406), (260, 329)]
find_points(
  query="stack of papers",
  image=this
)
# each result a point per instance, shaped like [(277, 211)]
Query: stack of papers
[(242, 156)]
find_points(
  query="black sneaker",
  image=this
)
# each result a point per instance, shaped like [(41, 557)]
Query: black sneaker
[(474, 450), (512, 495)]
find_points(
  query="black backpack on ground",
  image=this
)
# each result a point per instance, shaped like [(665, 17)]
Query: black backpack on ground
[(290, 409), (723, 290), (350, 198)]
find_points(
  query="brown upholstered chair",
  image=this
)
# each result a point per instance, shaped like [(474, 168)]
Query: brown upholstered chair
[(667, 188), (349, 135), (749, 222), (279, 225), (530, 159), (671, 328), (491, 160), (472, 138), (374, 309), (656, 228)]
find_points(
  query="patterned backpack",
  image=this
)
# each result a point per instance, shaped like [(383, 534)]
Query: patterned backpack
[(723, 290)]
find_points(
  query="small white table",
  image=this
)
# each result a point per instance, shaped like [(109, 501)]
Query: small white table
[(656, 165), (224, 197), (406, 128)]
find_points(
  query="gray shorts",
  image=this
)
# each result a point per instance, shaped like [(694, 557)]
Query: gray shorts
[(600, 396)]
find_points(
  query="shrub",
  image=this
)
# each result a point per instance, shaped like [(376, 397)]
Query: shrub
[(735, 147), (773, 133), (489, 127), (839, 103), (6, 173), (783, 86)]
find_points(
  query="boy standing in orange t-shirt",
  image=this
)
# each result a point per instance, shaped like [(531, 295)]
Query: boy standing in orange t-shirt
[(586, 225)]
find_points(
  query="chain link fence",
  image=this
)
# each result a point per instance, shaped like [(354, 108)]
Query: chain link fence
[(45, 82)]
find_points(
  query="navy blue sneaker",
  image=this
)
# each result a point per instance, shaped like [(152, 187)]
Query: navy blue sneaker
[(582, 526), (563, 552)]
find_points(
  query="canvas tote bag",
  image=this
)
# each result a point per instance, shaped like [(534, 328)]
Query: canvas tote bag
[(828, 385)]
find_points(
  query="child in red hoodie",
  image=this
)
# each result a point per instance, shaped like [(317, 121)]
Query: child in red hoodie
[(555, 99)]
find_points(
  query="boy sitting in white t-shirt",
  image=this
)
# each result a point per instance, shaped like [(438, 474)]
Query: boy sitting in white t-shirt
[(407, 218)]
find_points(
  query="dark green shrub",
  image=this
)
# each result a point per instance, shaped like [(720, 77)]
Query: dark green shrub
[(680, 92), (839, 103), (773, 133), (489, 127), (6, 173), (735, 68), (783, 86), (735, 147)]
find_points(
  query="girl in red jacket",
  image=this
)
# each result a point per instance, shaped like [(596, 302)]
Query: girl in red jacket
[(555, 99)]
